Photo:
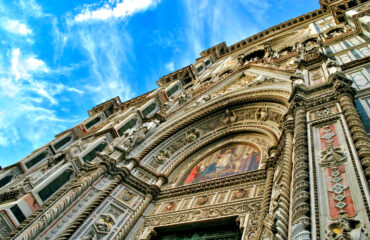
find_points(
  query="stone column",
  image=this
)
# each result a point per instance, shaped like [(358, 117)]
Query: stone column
[(282, 214), (67, 233), (359, 135), (266, 193), (301, 195), (62, 204), (134, 217)]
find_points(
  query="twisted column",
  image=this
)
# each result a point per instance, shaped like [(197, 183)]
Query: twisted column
[(358, 133), (59, 207), (67, 233), (134, 217), (282, 214), (266, 199), (301, 196)]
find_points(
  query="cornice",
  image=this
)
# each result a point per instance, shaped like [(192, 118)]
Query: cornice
[(213, 184)]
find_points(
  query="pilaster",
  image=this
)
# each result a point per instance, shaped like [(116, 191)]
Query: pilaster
[(357, 130)]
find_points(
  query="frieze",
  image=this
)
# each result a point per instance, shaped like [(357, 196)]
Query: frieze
[(202, 213), (323, 113), (209, 197)]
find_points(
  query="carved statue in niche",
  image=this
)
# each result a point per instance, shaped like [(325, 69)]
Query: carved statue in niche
[(310, 44), (192, 134), (136, 135), (229, 117), (335, 32), (268, 52), (262, 114)]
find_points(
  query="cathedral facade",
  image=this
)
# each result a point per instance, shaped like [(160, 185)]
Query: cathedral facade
[(264, 139)]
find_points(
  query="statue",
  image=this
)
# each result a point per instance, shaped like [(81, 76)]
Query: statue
[(136, 135), (184, 97), (310, 44), (297, 78), (262, 114), (333, 67)]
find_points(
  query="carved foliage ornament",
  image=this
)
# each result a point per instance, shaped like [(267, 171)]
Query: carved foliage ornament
[(200, 214)]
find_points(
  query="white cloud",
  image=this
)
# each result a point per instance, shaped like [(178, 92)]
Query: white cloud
[(109, 55), (25, 67), (26, 109), (3, 141), (170, 66), (14, 26), (30, 7), (114, 9), (212, 22)]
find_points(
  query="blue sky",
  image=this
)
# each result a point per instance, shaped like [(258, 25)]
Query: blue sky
[(60, 58)]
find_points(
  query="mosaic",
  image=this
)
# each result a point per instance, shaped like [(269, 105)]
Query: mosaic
[(229, 160)]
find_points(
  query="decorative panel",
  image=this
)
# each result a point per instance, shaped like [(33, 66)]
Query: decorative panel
[(127, 196), (316, 76), (340, 198), (361, 79), (61, 223)]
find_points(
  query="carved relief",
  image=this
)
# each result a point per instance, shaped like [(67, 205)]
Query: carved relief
[(240, 194), (192, 134), (262, 114), (135, 136), (332, 158), (229, 117), (203, 200), (346, 229), (160, 158), (322, 113), (200, 214)]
